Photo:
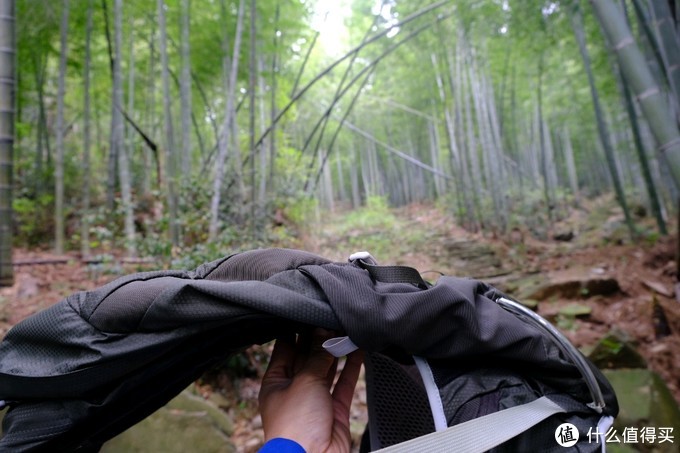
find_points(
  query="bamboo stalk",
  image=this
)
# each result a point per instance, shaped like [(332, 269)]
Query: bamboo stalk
[(7, 108), (639, 76), (60, 130), (85, 221), (601, 121)]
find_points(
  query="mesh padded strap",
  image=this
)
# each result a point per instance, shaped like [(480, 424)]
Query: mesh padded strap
[(483, 433)]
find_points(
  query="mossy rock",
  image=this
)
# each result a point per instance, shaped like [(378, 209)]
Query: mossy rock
[(615, 351), (187, 423), (577, 288), (644, 401), (520, 287), (575, 310)]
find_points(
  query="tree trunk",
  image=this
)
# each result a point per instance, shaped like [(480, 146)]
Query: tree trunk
[(85, 214), (662, 20), (185, 92), (327, 189), (113, 157), (457, 80), (150, 118), (42, 134), (252, 77), (262, 192), (639, 77), (229, 121), (642, 157), (577, 23), (491, 168), (7, 106), (59, 166), (450, 135), (342, 190), (547, 189), (272, 108), (476, 180), (170, 159), (498, 155), (571, 167), (354, 177), (434, 157), (118, 131)]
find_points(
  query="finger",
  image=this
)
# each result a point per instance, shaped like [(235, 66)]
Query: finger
[(344, 388), (304, 340), (281, 362), (330, 376), (319, 361)]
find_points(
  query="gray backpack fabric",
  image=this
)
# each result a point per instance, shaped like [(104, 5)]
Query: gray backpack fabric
[(96, 363)]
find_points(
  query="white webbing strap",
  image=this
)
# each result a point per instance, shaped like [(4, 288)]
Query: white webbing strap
[(339, 346), (436, 405), (483, 433)]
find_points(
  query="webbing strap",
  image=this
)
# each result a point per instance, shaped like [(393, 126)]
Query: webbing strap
[(394, 274), (483, 433), (388, 274)]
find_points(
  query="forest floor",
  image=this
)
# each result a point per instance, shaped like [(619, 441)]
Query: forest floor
[(644, 309)]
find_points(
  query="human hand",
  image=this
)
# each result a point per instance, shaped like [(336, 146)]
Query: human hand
[(296, 401)]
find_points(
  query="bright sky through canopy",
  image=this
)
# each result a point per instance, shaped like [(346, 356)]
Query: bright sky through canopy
[(329, 19)]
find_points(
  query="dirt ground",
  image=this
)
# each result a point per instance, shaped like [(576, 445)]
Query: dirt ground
[(646, 309)]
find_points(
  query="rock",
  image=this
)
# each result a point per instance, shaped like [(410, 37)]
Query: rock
[(645, 401), (187, 423), (658, 288), (614, 230), (615, 350), (27, 286), (570, 284), (471, 258), (575, 310), (563, 236), (660, 321)]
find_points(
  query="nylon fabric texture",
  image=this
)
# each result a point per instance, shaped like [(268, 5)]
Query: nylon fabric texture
[(98, 362)]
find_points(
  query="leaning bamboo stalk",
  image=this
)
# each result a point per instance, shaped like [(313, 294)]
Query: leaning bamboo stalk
[(644, 164), (639, 76), (668, 43)]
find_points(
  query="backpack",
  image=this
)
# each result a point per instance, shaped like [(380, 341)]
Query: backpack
[(454, 366)]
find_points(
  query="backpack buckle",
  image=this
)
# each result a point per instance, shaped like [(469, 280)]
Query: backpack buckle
[(363, 256)]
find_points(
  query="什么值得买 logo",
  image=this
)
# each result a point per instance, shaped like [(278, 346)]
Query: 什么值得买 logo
[(566, 434)]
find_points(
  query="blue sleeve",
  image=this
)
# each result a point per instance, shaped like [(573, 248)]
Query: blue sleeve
[(281, 445)]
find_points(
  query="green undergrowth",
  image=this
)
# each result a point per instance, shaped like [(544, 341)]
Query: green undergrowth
[(373, 228)]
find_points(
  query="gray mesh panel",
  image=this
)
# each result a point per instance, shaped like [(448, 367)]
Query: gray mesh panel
[(398, 409)]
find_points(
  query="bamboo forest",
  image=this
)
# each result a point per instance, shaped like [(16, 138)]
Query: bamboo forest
[(532, 144)]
